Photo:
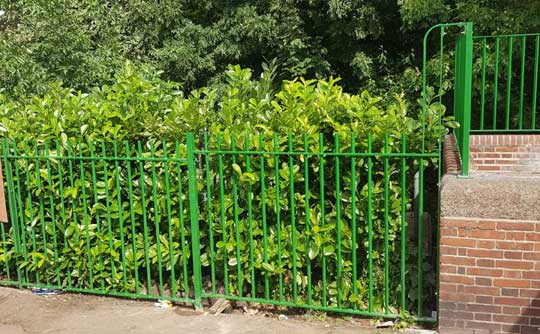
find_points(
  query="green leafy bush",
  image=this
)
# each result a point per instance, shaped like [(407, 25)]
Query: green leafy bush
[(122, 224)]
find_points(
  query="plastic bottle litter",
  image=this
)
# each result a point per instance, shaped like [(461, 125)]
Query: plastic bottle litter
[(163, 304), (45, 292)]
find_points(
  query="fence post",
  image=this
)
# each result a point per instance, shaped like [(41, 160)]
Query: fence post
[(194, 219), (463, 93)]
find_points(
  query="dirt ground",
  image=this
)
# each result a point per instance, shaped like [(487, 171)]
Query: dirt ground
[(22, 312)]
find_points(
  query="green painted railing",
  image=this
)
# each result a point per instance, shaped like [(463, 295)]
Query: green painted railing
[(305, 221), (506, 83), (495, 86)]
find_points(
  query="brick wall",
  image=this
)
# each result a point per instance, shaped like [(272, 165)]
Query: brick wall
[(489, 276), (503, 153)]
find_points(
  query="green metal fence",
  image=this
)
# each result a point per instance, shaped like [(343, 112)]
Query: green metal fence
[(495, 86), (310, 221)]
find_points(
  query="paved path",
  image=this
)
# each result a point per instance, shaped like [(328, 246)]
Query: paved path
[(22, 312)]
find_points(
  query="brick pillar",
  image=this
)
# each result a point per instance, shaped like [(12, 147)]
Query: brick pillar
[(489, 280)]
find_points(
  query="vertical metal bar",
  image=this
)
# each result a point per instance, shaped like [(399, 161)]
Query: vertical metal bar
[(132, 217), (142, 184), (194, 218), (278, 214), (209, 213), (467, 99), (85, 215), (41, 208), (370, 224), (172, 261), (120, 213), (264, 223), (97, 216), (293, 217), (354, 230), (496, 83), (338, 219), (508, 82), (522, 83), (52, 209), (323, 216), (308, 222), (62, 204), (247, 144), (535, 81), (420, 237), (21, 212), (403, 223), (386, 226), (182, 225), (157, 219), (108, 206), (223, 221), (483, 94), (30, 207), (236, 221)]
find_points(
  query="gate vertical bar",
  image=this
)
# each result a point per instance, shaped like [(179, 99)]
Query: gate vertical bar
[(194, 219), (463, 93)]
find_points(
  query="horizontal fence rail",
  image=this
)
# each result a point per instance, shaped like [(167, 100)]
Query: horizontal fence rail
[(332, 223)]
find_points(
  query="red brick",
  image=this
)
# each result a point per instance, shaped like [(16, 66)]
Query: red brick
[(484, 326), (513, 235), (509, 319), (513, 245), (484, 299), (514, 264), (479, 308), (528, 293), (532, 311), (460, 279), (510, 292), (484, 272), (445, 250), (510, 226), (513, 255), (531, 256), (459, 315), (447, 287), (533, 237), (460, 261), (449, 232), (485, 263), (448, 269), (487, 234), (532, 275), (511, 283), (456, 297), (482, 316), (483, 290), (458, 242), (485, 253), (483, 281), (511, 310), (487, 244), (535, 284), (513, 301), (468, 223), (516, 274)]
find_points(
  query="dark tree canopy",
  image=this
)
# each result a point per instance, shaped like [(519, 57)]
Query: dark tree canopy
[(368, 43)]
